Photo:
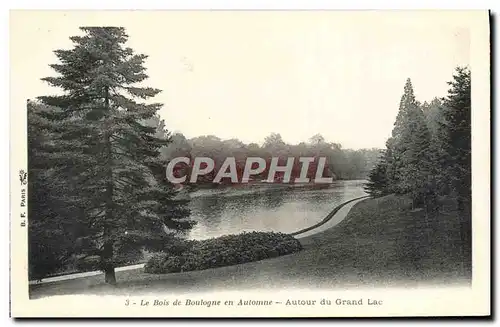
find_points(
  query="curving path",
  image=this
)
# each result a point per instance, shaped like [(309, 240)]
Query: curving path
[(334, 217)]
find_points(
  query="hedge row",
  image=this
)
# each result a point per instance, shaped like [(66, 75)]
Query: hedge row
[(222, 251)]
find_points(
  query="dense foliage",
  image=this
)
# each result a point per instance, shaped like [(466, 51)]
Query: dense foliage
[(340, 163), (429, 153), (222, 251)]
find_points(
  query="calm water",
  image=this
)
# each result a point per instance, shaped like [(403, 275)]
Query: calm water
[(265, 208)]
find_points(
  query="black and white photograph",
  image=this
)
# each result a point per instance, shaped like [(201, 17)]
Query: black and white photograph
[(250, 163)]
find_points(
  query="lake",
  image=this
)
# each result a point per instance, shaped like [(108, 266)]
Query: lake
[(267, 208)]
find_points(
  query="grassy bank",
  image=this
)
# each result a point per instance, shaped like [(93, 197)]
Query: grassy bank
[(381, 242), (383, 238)]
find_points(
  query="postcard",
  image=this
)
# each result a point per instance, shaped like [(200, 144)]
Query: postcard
[(218, 163)]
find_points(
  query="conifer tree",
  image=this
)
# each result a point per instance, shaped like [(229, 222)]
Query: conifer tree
[(434, 114), (456, 161), (399, 142), (377, 184), (456, 135), (410, 149), (107, 164)]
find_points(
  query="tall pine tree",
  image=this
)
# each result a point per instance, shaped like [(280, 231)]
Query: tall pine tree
[(455, 159), (456, 134), (107, 160), (408, 170)]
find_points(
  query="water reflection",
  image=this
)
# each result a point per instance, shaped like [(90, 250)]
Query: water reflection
[(265, 208)]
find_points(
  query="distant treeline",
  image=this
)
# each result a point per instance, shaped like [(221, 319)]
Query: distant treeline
[(341, 164)]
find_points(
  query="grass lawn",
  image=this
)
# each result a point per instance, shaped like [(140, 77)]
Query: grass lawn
[(381, 242)]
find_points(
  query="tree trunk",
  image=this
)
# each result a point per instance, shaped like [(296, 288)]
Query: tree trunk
[(109, 270), (109, 275), (426, 208)]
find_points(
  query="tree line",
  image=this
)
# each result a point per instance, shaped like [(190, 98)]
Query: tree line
[(428, 156), (341, 164)]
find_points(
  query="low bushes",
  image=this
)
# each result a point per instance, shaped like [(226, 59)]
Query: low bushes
[(89, 263), (223, 251)]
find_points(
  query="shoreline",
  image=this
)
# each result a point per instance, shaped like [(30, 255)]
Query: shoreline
[(328, 217), (141, 265)]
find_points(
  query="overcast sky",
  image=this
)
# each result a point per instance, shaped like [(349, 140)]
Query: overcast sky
[(246, 74)]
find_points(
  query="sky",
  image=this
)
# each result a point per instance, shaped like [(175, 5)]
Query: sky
[(247, 74)]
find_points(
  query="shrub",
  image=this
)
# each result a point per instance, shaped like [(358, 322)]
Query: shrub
[(88, 263), (223, 251), (128, 256), (154, 264)]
